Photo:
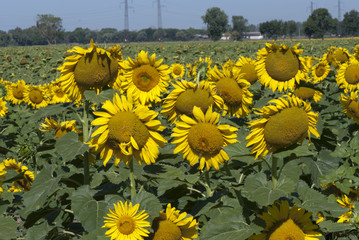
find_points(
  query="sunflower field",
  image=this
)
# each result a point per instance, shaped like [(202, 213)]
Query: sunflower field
[(177, 141)]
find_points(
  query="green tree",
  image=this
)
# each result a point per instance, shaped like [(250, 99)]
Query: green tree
[(217, 22), (49, 26), (318, 23), (4, 38), (271, 29), (289, 28), (240, 26), (350, 24)]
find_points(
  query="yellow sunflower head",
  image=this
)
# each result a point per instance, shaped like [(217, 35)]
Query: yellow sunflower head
[(308, 93), (201, 138), (174, 225), (4, 87), (177, 70), (283, 222), (22, 184), (288, 121), (186, 95), (36, 96), (57, 94), (201, 65), (336, 56), (345, 202), (90, 69), (145, 79), (356, 51), (280, 67), (125, 222), (348, 75), (247, 67), (320, 71), (127, 130), (60, 129), (350, 104), (16, 91), (3, 108), (233, 89)]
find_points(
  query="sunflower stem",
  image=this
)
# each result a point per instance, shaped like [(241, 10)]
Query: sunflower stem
[(274, 171), (207, 184), (85, 132), (132, 180), (237, 193)]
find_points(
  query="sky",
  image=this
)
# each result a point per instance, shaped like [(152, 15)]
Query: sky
[(181, 14)]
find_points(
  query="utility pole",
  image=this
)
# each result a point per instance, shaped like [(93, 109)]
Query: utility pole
[(126, 21), (339, 19), (159, 19), (311, 7)]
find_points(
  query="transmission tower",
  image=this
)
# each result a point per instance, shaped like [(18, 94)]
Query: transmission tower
[(339, 19), (126, 21), (159, 19), (311, 7)]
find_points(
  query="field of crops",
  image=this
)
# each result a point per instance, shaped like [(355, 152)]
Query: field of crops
[(204, 140)]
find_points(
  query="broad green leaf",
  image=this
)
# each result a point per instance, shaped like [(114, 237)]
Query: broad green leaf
[(69, 146), (148, 202), (101, 97), (50, 110), (8, 228), (331, 227)]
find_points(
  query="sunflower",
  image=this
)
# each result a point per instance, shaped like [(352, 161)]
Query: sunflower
[(284, 222), (348, 75), (60, 129), (350, 105), (23, 183), (186, 95), (336, 56), (35, 96), (320, 71), (356, 52), (174, 225), (345, 203), (233, 89), (287, 122), (177, 70), (280, 67), (201, 138), (247, 66), (57, 94), (145, 78), (125, 131), (90, 69), (4, 87), (126, 223), (16, 91), (308, 93), (201, 63), (3, 108)]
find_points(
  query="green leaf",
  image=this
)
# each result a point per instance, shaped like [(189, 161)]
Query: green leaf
[(50, 110), (69, 146), (329, 227), (98, 234), (148, 202), (86, 209), (8, 228), (101, 97)]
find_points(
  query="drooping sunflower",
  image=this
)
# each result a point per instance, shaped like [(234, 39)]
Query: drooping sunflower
[(60, 129), (174, 225), (177, 70), (348, 75), (247, 67), (283, 222), (350, 104), (345, 203), (201, 138), (16, 91), (287, 122), (186, 95), (127, 130), (35, 96), (308, 93), (231, 86), (145, 78), (280, 67), (89, 69), (336, 56), (320, 71), (3, 108), (22, 184), (126, 223)]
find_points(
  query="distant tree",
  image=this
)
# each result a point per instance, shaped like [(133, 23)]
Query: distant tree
[(33, 36), (182, 35), (141, 36), (271, 29), (289, 28), (350, 24), (253, 28), (318, 23), (4, 39), (217, 21), (239, 24), (49, 26), (18, 37)]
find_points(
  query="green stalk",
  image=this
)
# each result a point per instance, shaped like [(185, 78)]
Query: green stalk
[(85, 132), (274, 172), (207, 184), (238, 193), (132, 180)]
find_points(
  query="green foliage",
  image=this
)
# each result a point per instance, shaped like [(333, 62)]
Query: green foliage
[(350, 23), (216, 21), (318, 23)]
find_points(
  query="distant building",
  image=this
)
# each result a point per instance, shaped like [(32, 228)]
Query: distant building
[(252, 35), (202, 36)]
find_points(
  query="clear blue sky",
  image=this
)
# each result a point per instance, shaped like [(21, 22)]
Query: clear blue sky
[(181, 14)]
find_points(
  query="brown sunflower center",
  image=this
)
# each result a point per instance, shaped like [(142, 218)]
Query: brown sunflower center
[(59, 93), (35, 96), (177, 70), (193, 97), (126, 225), (288, 231), (166, 230), (353, 108), (123, 125), (304, 93), (282, 65), (18, 93), (230, 91), (250, 73), (320, 70), (146, 77), (205, 138), (95, 70), (286, 127), (352, 74)]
